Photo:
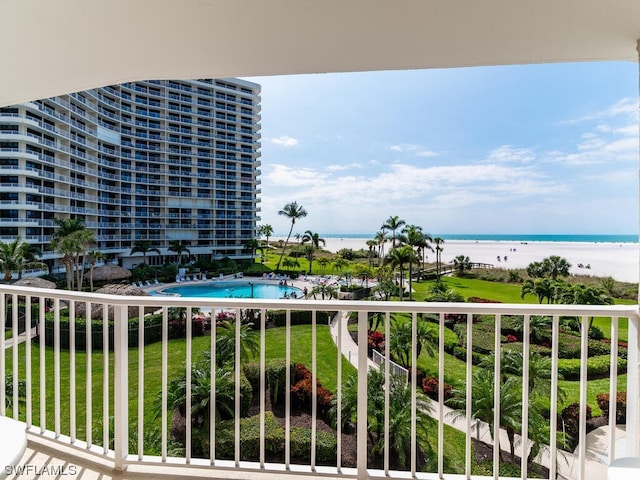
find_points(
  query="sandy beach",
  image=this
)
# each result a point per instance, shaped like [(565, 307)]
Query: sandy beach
[(618, 260)]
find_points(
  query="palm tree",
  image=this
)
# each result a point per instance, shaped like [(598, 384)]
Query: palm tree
[(393, 223), (482, 403), (290, 263), (339, 264), (293, 211), (461, 264), (226, 342), (372, 244), (324, 290), (315, 241), (541, 287), (31, 256), (400, 339), (400, 414), (399, 257), (72, 240), (417, 239), (144, 247), (179, 247), (266, 230), (309, 252), (323, 262), (253, 245), (67, 226), (15, 257), (556, 266), (380, 238), (438, 242), (94, 257)]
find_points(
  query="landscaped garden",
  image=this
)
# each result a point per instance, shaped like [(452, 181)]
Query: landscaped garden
[(395, 279)]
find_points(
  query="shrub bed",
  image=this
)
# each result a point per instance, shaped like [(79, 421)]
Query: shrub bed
[(250, 438), (298, 317), (152, 331), (621, 405), (597, 367), (326, 446)]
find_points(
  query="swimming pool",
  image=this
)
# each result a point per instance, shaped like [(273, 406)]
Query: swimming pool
[(232, 290)]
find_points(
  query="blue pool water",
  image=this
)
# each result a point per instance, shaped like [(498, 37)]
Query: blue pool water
[(232, 290)]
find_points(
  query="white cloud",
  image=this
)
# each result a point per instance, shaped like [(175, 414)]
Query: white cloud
[(338, 168), (509, 154), (415, 150), (284, 141)]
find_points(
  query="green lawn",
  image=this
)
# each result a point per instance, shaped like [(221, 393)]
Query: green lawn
[(275, 348)]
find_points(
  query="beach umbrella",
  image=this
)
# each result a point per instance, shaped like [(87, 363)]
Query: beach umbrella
[(114, 289), (109, 273), (34, 282)]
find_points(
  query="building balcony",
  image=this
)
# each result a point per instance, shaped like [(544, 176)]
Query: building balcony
[(134, 414)]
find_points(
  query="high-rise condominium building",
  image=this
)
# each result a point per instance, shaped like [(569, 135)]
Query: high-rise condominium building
[(155, 160)]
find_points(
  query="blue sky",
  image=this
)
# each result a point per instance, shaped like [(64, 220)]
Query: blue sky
[(516, 149)]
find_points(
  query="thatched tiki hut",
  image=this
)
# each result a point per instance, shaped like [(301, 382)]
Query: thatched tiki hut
[(34, 282), (110, 273), (31, 282), (114, 289)]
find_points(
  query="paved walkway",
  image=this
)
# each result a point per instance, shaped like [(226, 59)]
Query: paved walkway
[(567, 463)]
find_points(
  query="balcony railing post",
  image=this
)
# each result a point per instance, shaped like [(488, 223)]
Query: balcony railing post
[(362, 395), (121, 386), (633, 388)]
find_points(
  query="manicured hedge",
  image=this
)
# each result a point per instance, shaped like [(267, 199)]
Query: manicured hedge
[(250, 438), (301, 446), (152, 331), (461, 354), (299, 317), (597, 366)]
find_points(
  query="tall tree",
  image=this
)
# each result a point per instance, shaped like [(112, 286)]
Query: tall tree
[(179, 247), (381, 238), (315, 241), (393, 223), (266, 231), (252, 245), (372, 244), (94, 257), (144, 247), (439, 242), (482, 403), (293, 212), (72, 239), (419, 240), (399, 257), (461, 264), (556, 266), (540, 287), (15, 257)]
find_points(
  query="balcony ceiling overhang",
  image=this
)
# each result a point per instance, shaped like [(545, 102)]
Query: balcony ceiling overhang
[(51, 48)]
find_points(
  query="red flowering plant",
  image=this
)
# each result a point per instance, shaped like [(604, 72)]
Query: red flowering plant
[(376, 340)]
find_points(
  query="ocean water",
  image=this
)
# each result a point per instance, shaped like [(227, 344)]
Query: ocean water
[(582, 238)]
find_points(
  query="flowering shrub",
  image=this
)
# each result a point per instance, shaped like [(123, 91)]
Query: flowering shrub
[(376, 340), (430, 386), (621, 405), (302, 391), (511, 338), (571, 420)]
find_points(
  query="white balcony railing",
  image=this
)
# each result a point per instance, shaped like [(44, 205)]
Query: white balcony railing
[(87, 380)]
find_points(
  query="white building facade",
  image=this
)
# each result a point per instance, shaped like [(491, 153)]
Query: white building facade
[(154, 160)]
